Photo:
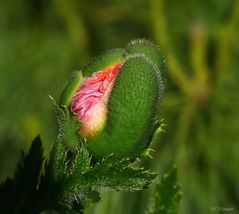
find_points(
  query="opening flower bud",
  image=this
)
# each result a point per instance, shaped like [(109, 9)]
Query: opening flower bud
[(117, 100), (91, 98)]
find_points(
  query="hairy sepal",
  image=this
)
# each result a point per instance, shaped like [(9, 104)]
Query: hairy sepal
[(70, 88), (132, 109), (106, 59), (150, 50)]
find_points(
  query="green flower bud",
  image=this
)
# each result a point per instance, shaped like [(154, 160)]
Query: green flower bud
[(117, 100)]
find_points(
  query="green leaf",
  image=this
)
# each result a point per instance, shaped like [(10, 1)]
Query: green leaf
[(16, 193), (82, 162), (109, 174), (118, 175), (167, 195)]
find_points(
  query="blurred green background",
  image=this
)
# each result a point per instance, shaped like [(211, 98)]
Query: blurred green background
[(42, 42)]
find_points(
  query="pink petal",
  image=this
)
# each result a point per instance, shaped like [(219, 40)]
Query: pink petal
[(90, 99)]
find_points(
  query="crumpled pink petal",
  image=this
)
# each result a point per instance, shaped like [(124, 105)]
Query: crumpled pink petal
[(90, 99)]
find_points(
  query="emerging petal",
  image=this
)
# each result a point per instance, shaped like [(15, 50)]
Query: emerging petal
[(90, 99)]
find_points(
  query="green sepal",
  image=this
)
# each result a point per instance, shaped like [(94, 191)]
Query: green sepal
[(158, 128), (67, 141), (147, 48), (132, 110), (70, 88), (106, 59)]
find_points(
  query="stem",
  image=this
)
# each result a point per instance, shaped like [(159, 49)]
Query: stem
[(198, 46), (227, 35), (175, 70)]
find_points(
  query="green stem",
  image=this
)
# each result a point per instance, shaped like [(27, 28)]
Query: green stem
[(175, 69), (226, 36)]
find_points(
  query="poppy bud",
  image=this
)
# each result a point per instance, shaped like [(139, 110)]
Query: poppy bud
[(117, 100)]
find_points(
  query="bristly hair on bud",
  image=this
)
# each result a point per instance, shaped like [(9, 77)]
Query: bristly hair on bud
[(117, 100), (152, 51)]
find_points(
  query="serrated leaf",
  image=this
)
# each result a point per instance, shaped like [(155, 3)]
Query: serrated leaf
[(82, 161), (19, 190), (167, 195), (109, 174)]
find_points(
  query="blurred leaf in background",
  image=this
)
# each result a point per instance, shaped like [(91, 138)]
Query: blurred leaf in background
[(41, 42), (166, 196)]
